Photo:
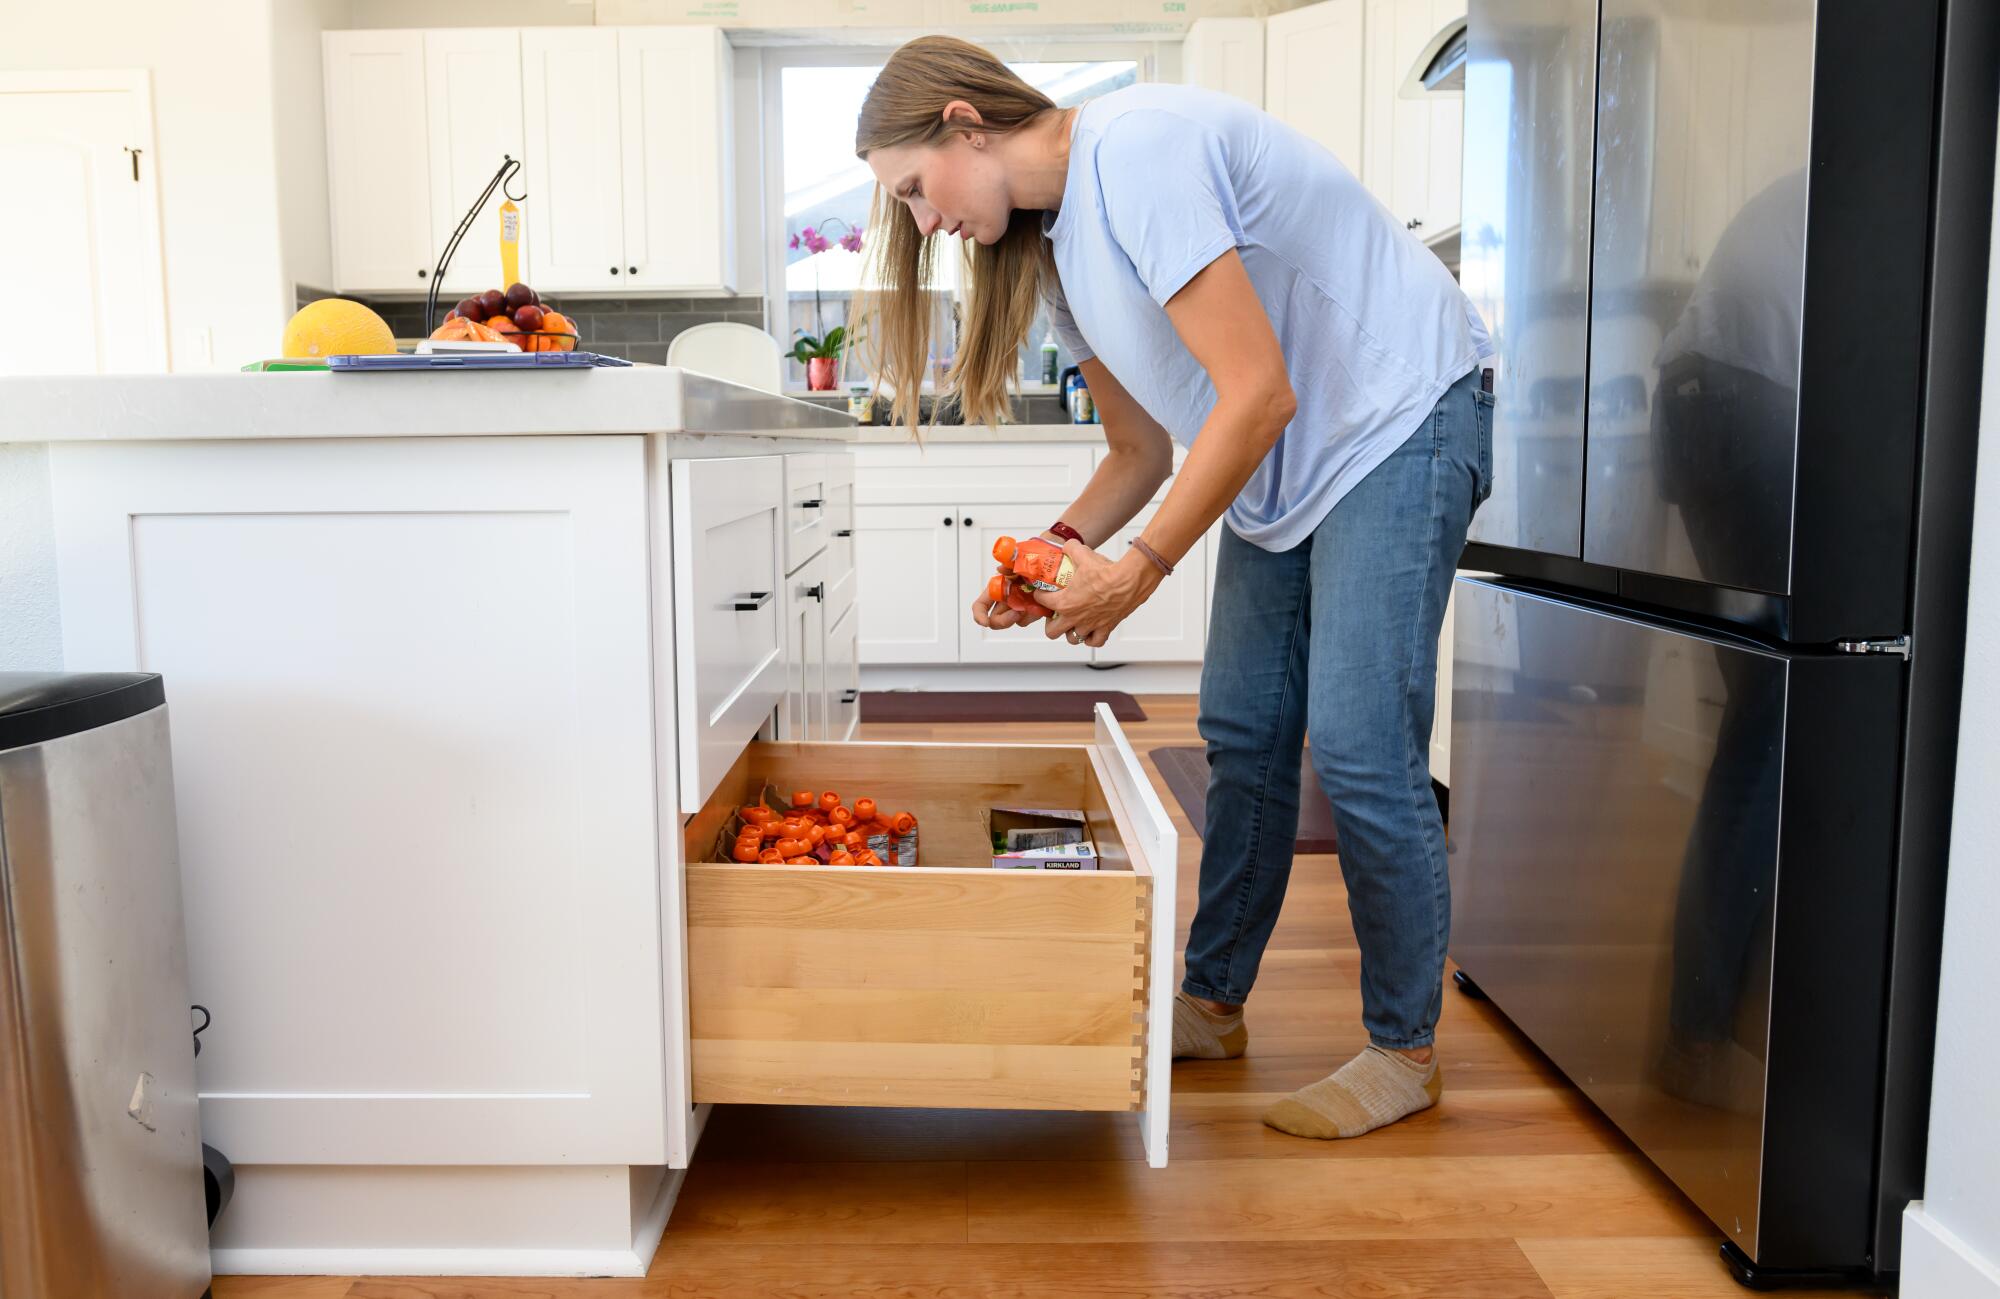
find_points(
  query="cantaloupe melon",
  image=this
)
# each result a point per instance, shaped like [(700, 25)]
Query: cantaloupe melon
[(337, 327)]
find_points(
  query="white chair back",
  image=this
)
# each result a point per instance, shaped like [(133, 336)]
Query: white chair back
[(739, 353)]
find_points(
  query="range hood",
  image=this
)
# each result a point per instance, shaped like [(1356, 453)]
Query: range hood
[(1440, 67)]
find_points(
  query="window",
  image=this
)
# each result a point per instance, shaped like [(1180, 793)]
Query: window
[(823, 188)]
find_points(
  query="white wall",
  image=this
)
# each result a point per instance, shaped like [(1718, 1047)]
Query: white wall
[(212, 112), (1951, 1239), (30, 628), (299, 129)]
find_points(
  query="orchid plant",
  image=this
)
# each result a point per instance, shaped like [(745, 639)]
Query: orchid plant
[(828, 344)]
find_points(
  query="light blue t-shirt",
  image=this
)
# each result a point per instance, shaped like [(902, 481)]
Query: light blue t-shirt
[(1163, 180)]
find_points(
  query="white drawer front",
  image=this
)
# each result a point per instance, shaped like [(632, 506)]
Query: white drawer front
[(843, 676), (805, 508), (842, 586), (960, 473), (728, 608)]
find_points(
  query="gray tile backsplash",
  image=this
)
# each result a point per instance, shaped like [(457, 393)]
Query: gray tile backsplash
[(638, 329)]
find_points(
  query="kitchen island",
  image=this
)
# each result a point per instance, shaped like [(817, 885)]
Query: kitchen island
[(447, 657)]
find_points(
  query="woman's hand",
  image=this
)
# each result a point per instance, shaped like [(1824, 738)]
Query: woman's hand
[(998, 615), (1100, 595)]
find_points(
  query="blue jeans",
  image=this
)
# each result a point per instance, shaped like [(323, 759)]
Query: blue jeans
[(1337, 639)]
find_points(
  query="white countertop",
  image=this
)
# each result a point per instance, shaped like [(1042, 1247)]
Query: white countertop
[(462, 403)]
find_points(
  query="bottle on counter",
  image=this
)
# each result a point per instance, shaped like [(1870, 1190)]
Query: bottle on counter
[(1049, 358), (1082, 410)]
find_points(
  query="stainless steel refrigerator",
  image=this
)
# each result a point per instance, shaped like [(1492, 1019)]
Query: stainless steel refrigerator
[(1733, 253)]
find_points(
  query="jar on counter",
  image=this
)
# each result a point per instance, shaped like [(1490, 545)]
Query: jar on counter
[(861, 404)]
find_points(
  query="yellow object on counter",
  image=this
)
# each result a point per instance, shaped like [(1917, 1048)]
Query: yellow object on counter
[(510, 243)]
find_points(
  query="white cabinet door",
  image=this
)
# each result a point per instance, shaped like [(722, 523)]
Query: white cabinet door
[(729, 611), (575, 208), (1378, 82), (1171, 627), (1443, 210), (472, 82), (804, 715), (1409, 121), (410, 715), (679, 216), (912, 613), (843, 677), (979, 527), (1313, 74), (377, 161), (1226, 54)]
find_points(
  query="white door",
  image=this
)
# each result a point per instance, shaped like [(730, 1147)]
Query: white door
[(1312, 74), (804, 716), (676, 86), (1410, 121), (575, 205), (1171, 627), (472, 78), (912, 613), (979, 527), (378, 162), (80, 224)]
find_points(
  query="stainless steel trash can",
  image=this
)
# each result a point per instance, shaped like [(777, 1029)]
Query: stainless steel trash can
[(100, 1144)]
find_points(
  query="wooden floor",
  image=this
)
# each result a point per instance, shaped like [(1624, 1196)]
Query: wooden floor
[(1511, 1188)]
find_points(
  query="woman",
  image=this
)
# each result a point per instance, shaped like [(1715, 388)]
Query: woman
[(1225, 282)]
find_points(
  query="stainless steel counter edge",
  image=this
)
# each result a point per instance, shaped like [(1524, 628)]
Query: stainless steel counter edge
[(232, 406)]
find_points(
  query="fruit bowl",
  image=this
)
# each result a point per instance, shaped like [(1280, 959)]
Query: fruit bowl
[(544, 340), (518, 316)]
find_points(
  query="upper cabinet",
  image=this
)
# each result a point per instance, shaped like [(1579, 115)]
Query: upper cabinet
[(1411, 159), (472, 87), (680, 214), (1226, 54), (575, 212), (1312, 74), (378, 161), (623, 135)]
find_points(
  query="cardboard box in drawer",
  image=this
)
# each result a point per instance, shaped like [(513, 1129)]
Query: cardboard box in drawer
[(1040, 839)]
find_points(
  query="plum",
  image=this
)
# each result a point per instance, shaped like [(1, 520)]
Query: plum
[(471, 309), (520, 295), (493, 303), (528, 317)]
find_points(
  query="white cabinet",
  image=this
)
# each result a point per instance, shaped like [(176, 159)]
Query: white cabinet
[(1226, 54), (730, 649), (1171, 627), (678, 137), (377, 160), (1441, 718), (1313, 74), (472, 87), (1412, 155), (805, 713), (843, 676), (574, 178), (910, 553), (629, 131)]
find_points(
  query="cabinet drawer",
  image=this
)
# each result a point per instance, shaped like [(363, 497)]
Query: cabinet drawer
[(961, 474), (729, 635), (805, 508), (949, 985), (841, 586)]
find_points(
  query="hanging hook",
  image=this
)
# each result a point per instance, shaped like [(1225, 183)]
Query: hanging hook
[(508, 171)]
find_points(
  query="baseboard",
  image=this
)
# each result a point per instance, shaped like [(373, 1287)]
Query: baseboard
[(429, 1262), (1937, 1264), (652, 1226)]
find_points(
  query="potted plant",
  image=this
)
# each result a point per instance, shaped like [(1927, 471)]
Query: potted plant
[(821, 356)]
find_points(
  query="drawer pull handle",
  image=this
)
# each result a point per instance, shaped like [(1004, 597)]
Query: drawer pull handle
[(967, 522), (850, 697), (947, 520), (754, 601), (814, 504), (817, 591), (844, 532)]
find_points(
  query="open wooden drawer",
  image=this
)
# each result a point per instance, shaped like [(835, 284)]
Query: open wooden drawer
[(952, 984)]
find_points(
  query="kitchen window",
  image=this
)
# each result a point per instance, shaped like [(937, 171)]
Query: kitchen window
[(814, 182)]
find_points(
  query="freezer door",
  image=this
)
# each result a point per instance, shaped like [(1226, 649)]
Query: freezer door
[(1525, 255), (1670, 863)]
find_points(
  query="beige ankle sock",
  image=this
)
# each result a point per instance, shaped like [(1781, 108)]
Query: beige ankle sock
[(1200, 1035), (1373, 1089)]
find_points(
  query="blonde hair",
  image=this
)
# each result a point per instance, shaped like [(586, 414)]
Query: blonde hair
[(906, 106)]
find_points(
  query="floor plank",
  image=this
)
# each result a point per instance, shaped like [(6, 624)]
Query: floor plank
[(1659, 1269), (1513, 1187)]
